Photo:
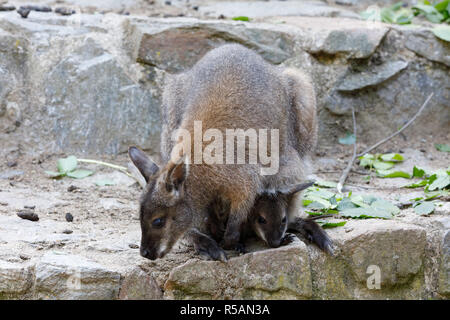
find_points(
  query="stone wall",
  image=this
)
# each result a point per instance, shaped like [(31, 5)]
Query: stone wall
[(92, 83)]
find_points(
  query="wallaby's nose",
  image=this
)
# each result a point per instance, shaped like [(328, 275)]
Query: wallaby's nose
[(146, 253)]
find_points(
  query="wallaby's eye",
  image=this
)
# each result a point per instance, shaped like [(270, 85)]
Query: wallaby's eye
[(262, 220), (284, 220), (158, 223)]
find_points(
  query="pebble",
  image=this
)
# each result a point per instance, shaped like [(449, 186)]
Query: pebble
[(12, 163), (64, 11), (69, 217), (72, 188), (67, 231), (30, 207), (24, 257), (24, 12), (133, 246), (28, 215), (7, 8)]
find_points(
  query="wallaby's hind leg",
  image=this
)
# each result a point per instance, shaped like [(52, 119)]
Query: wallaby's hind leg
[(206, 246), (313, 232)]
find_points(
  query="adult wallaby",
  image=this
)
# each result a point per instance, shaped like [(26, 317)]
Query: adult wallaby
[(231, 87)]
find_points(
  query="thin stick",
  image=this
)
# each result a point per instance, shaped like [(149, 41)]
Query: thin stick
[(341, 182), (120, 168), (376, 145)]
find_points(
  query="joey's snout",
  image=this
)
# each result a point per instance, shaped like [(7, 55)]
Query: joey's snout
[(274, 243)]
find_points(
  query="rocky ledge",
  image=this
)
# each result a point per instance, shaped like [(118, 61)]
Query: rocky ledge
[(92, 82)]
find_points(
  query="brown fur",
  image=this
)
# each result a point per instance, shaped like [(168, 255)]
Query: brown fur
[(231, 87)]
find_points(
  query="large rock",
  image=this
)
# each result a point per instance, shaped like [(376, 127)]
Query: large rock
[(138, 285), (177, 44), (15, 279), (444, 275), (65, 276), (281, 273), (424, 43), (92, 83), (106, 108), (395, 250)]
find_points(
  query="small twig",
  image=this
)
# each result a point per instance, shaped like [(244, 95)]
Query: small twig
[(376, 145), (106, 164), (341, 182)]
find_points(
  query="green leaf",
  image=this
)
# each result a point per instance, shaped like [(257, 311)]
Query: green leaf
[(54, 174), (435, 194), (241, 18), (345, 203), (359, 201), (325, 184), (442, 6), (392, 157), (442, 147), (67, 164), (424, 208), (368, 212), (315, 205), (440, 183), (325, 203), (386, 206), (348, 139), (381, 165), (418, 172), (367, 160), (393, 174), (430, 13), (105, 182), (443, 33), (79, 173), (420, 184), (327, 225)]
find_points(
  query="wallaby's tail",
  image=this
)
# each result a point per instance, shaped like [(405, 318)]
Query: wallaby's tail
[(303, 106), (312, 231)]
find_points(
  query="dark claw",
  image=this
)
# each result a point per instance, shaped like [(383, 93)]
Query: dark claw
[(240, 248), (288, 239)]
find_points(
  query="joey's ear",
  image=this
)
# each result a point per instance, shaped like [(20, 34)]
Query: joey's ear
[(296, 188), (176, 175), (146, 166)]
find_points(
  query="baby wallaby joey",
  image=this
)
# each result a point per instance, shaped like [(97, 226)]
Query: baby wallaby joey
[(269, 221)]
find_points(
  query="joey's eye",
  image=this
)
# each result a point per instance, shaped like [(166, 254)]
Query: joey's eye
[(262, 220), (284, 220), (158, 223)]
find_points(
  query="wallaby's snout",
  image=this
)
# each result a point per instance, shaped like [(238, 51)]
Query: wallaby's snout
[(149, 253)]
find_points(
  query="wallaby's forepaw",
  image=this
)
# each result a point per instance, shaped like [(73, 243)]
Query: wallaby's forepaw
[(240, 248), (288, 239), (209, 249), (213, 253), (230, 241)]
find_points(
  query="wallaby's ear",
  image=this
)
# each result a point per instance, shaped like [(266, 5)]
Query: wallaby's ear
[(296, 188), (146, 166), (176, 175)]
